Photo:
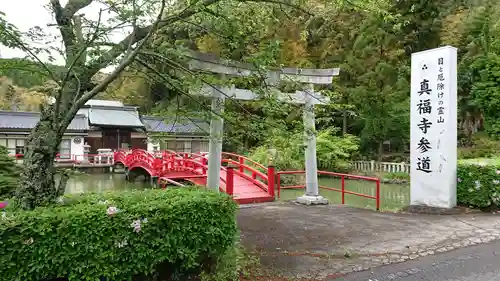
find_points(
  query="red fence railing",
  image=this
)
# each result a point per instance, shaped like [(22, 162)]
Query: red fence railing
[(342, 189)]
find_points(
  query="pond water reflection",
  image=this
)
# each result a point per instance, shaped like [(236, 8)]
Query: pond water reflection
[(100, 182)]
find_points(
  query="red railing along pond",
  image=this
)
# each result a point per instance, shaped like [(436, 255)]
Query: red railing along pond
[(342, 188)]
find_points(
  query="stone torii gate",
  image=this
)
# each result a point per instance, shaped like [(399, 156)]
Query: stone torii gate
[(308, 98)]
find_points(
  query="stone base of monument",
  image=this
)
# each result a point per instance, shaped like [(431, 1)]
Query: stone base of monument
[(430, 210), (312, 200)]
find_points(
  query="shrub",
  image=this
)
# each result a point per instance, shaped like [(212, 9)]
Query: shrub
[(136, 235), (482, 147), (478, 185), (396, 177), (9, 174), (332, 151)]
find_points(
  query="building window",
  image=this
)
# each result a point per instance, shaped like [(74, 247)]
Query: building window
[(14, 146), (19, 149), (196, 146), (171, 145), (65, 149), (187, 146), (179, 146), (204, 146)]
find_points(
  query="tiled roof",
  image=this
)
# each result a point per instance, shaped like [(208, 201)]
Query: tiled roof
[(108, 103), (158, 125), (115, 117), (28, 120)]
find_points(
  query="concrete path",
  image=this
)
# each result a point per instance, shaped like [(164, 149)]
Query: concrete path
[(323, 242), (477, 263)]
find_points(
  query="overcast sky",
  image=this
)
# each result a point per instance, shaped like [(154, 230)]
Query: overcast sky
[(26, 14)]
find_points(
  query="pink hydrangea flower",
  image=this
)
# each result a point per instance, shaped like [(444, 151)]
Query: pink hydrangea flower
[(112, 211), (136, 225), (3, 204)]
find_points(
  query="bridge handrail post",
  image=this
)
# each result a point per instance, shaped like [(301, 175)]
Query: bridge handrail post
[(242, 162), (271, 180), (230, 180)]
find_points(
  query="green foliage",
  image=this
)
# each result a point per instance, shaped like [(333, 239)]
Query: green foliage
[(234, 263), (290, 150), (26, 73), (9, 34), (397, 176), (419, 24), (9, 174), (486, 90), (478, 185), (481, 147), (139, 235)]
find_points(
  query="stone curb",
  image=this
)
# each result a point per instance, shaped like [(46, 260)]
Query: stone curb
[(371, 260), (485, 236)]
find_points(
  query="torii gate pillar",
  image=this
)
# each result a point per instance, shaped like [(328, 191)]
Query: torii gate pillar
[(215, 144), (311, 196)]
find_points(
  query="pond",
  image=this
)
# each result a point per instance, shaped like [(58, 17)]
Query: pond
[(393, 196), (100, 182)]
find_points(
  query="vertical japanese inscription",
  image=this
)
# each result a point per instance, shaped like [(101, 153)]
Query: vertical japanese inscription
[(441, 107), (424, 109)]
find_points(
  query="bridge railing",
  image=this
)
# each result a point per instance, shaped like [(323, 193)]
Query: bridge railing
[(255, 176), (167, 161), (197, 164), (342, 189), (251, 170)]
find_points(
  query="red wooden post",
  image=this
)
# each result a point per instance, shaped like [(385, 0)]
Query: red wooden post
[(230, 180), (271, 180), (242, 162), (204, 162), (343, 189), (278, 184), (377, 195)]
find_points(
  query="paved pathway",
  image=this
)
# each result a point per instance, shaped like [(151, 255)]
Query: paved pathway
[(321, 242), (477, 263)]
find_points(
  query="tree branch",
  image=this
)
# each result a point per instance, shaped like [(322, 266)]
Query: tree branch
[(26, 49), (127, 60), (105, 59), (64, 17), (74, 6), (141, 33)]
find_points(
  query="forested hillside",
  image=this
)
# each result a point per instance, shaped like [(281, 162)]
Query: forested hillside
[(371, 46)]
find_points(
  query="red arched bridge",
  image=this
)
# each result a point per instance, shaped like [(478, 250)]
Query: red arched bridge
[(246, 180)]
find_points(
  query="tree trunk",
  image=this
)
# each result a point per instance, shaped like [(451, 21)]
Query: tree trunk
[(344, 122), (37, 186), (380, 153)]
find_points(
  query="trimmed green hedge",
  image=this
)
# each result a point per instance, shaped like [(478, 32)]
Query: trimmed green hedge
[(138, 235), (478, 185)]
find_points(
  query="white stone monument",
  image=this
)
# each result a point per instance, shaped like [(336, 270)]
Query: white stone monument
[(434, 128)]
